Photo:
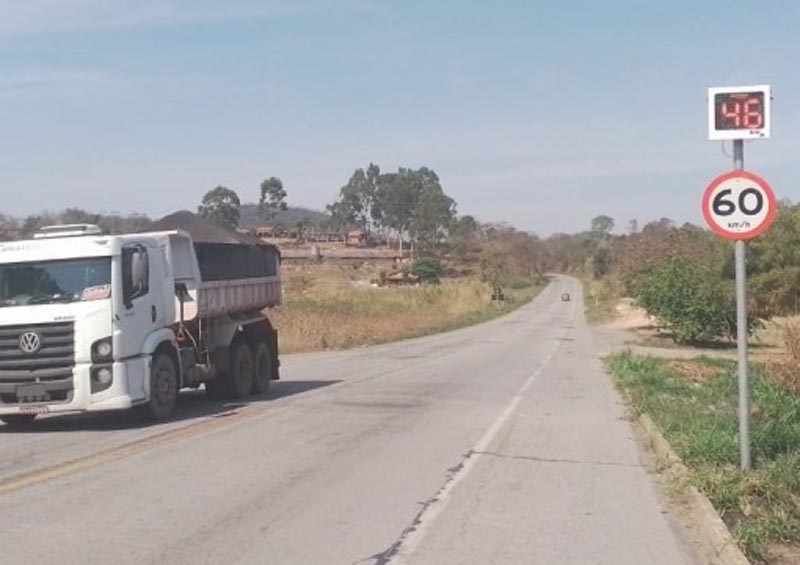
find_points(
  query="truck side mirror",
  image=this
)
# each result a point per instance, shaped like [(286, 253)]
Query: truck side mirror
[(140, 271), (135, 273)]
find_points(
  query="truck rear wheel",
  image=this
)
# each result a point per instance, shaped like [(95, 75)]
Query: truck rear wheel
[(240, 377), (262, 361), (163, 388)]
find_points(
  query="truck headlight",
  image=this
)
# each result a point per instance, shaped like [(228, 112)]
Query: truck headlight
[(102, 350), (102, 377)]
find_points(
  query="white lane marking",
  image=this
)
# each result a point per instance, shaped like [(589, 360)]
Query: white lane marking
[(414, 535)]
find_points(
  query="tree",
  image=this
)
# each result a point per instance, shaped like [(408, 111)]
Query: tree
[(356, 206), (9, 227), (661, 224), (601, 262), (397, 200), (414, 205), (773, 265), (302, 227), (602, 226), (78, 216), (433, 216), (273, 197), (636, 255), (510, 257), (221, 206), (463, 237)]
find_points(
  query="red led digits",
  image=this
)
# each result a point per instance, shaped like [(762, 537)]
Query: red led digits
[(753, 114), (732, 114), (740, 111)]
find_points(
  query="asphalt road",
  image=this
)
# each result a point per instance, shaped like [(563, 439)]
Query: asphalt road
[(500, 443)]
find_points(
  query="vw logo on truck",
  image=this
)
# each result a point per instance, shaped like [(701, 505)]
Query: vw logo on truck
[(30, 343)]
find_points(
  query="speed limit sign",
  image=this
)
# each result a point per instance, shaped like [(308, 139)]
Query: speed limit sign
[(739, 205)]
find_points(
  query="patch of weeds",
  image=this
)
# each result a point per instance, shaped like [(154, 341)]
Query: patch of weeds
[(694, 404)]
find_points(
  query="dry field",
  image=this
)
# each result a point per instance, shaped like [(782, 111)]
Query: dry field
[(336, 307)]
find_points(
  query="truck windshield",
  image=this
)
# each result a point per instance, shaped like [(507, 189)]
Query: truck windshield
[(49, 282)]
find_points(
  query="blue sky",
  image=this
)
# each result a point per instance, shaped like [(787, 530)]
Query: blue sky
[(541, 114)]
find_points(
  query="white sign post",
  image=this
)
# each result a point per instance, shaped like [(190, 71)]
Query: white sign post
[(740, 205)]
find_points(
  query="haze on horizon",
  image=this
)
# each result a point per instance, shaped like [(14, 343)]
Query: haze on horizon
[(537, 114)]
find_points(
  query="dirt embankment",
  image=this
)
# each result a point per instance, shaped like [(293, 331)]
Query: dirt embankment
[(628, 316)]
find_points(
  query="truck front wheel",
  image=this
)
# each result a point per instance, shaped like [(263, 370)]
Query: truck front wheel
[(240, 377), (163, 388)]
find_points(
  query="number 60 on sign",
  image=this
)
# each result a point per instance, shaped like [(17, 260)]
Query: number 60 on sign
[(739, 205)]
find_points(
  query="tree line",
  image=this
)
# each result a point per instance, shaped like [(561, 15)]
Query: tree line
[(684, 275), (407, 205)]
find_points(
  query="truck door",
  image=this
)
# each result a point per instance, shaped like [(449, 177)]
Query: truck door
[(139, 310)]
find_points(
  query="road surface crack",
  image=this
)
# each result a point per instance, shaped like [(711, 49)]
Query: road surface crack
[(557, 460), (385, 557)]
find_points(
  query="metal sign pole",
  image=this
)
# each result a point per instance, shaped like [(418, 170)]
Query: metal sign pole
[(741, 331)]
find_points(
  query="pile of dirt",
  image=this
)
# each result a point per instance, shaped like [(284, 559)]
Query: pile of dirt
[(630, 317), (203, 231)]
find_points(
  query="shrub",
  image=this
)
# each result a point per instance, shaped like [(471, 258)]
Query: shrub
[(692, 299), (428, 269)]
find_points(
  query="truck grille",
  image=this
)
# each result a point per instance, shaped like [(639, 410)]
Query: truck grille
[(36, 362)]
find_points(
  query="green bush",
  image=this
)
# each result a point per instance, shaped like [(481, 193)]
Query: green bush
[(692, 299), (428, 269)]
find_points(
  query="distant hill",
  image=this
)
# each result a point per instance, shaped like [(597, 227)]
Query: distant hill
[(250, 217)]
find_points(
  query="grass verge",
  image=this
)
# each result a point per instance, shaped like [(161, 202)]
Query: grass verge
[(694, 404), (364, 316), (601, 299)]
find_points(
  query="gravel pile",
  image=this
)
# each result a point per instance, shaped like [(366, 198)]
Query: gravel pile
[(202, 231)]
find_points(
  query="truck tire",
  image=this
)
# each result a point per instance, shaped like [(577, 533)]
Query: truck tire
[(240, 376), (17, 420), (262, 368), (163, 388)]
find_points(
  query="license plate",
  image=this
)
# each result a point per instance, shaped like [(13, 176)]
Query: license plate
[(31, 393), (33, 409)]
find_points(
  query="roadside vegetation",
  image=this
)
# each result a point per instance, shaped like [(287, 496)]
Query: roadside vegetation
[(367, 315), (683, 275), (683, 279), (459, 263), (329, 306), (694, 404)]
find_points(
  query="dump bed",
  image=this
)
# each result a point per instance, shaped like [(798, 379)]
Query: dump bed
[(225, 273), (237, 277)]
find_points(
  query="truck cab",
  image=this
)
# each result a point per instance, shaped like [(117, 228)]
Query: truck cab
[(91, 322)]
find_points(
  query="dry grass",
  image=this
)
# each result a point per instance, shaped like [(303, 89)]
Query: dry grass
[(337, 308), (695, 372), (786, 369), (602, 298)]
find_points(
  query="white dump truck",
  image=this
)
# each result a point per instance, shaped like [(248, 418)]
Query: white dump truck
[(92, 322)]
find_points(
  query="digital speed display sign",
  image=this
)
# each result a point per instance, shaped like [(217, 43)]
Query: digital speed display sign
[(741, 112)]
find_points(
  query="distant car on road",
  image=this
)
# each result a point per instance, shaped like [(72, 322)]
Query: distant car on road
[(565, 297)]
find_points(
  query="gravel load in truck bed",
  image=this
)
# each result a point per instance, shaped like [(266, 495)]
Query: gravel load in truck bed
[(223, 254), (202, 231)]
